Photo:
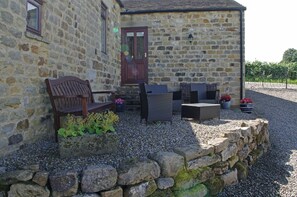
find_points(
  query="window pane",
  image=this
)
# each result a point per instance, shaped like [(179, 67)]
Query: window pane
[(130, 43), (32, 16), (140, 45)]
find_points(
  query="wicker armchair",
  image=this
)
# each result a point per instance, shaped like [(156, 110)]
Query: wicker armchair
[(155, 102)]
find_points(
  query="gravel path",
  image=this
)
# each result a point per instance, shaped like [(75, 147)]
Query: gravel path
[(275, 173), (137, 140)]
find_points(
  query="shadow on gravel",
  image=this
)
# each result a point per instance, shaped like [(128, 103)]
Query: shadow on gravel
[(272, 169)]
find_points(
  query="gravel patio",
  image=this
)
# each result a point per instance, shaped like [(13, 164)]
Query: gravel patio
[(273, 175)]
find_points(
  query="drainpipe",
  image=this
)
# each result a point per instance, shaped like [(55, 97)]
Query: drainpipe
[(241, 54)]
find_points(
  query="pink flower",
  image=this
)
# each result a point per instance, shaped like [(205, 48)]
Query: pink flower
[(119, 101)]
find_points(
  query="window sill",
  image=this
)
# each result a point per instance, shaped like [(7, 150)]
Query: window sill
[(36, 37)]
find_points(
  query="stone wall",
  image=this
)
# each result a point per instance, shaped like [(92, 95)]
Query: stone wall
[(192, 170), (213, 56), (70, 44)]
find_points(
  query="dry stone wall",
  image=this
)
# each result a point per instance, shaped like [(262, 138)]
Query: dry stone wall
[(70, 44), (191, 170), (213, 56)]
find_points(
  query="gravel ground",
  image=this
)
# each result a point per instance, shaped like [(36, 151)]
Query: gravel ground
[(137, 140), (275, 173)]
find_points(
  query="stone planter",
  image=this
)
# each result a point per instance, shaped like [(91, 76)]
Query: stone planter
[(246, 107), (226, 105), (88, 145)]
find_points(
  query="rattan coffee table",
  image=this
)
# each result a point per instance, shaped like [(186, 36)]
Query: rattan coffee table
[(200, 111)]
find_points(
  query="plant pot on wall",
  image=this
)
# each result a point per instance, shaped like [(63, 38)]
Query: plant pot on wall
[(226, 104), (246, 107), (120, 107)]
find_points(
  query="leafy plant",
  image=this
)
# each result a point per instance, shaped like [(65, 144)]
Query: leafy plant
[(94, 123)]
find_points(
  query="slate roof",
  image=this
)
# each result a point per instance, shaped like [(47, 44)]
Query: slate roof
[(147, 6)]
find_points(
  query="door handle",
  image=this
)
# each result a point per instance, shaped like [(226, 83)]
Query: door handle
[(145, 55)]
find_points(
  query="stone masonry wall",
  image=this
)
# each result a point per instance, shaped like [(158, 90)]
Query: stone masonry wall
[(192, 170), (70, 44), (213, 56)]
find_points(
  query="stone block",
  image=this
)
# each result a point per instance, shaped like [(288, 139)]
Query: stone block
[(219, 144), (203, 162), (229, 152), (41, 178), (12, 177), (98, 178), (7, 129), (15, 139), (194, 151), (215, 186), (64, 183), (233, 135), (137, 172), (233, 160), (230, 178), (28, 190), (23, 124), (220, 167), (6, 17), (165, 183), (169, 162), (142, 189), (242, 154), (116, 192), (198, 190)]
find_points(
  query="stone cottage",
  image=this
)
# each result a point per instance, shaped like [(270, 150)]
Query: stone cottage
[(42, 39), (182, 41), (156, 41)]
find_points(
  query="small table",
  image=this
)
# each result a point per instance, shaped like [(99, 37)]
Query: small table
[(200, 111)]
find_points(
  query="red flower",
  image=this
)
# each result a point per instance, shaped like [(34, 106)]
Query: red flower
[(225, 98), (246, 100)]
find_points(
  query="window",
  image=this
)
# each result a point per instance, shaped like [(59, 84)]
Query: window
[(34, 16), (103, 28)]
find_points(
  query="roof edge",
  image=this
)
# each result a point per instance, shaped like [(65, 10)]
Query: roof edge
[(184, 10)]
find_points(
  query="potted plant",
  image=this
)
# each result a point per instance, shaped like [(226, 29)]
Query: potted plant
[(94, 134), (246, 105), (225, 101), (119, 104)]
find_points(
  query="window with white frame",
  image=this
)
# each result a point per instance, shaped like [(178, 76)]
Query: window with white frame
[(34, 16)]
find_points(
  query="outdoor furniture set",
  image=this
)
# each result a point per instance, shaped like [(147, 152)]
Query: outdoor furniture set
[(195, 100), (71, 95)]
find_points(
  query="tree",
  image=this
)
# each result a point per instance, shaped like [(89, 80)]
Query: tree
[(290, 55)]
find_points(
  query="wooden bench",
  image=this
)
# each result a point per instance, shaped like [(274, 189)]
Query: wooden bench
[(71, 95)]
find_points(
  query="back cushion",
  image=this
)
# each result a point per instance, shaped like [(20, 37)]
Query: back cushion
[(201, 88), (156, 89)]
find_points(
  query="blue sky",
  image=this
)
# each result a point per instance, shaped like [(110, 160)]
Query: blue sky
[(271, 28)]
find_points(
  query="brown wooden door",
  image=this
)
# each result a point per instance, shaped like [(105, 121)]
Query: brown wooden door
[(134, 55)]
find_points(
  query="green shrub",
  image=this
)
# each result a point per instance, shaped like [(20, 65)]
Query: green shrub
[(94, 123)]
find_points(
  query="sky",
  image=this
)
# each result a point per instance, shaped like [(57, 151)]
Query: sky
[(270, 29)]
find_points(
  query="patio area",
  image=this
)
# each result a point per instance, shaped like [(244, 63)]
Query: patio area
[(137, 140)]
